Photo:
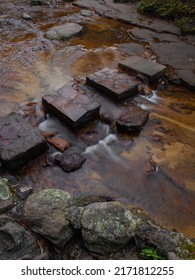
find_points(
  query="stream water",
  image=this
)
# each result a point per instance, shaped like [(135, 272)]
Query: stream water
[(32, 66)]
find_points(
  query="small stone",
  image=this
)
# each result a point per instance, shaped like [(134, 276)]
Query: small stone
[(133, 119), (86, 13), (59, 143), (26, 16), (65, 31), (74, 215), (71, 162), (151, 70), (23, 191), (151, 167)]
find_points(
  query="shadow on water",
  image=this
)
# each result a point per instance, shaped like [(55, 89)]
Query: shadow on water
[(116, 164)]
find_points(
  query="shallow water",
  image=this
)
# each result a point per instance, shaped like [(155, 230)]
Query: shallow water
[(116, 166)]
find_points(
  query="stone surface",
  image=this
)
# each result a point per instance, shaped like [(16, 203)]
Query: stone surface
[(23, 191), (117, 85), (59, 143), (6, 199), (133, 119), (19, 141), (128, 13), (151, 70), (150, 235), (45, 211), (146, 35), (86, 13), (180, 56), (131, 48), (107, 227), (16, 243), (75, 109), (65, 31), (71, 162)]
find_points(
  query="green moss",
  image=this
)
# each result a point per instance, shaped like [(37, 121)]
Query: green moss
[(180, 11), (151, 254), (187, 250)]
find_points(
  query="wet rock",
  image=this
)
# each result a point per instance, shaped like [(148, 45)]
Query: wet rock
[(74, 215), (117, 85), (59, 143), (75, 109), (151, 70), (26, 16), (148, 234), (107, 227), (71, 162), (45, 211), (23, 191), (133, 119), (16, 243), (19, 142), (6, 199), (146, 35), (131, 48), (86, 13), (179, 56), (65, 31)]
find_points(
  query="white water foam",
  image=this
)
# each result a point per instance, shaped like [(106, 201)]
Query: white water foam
[(103, 148)]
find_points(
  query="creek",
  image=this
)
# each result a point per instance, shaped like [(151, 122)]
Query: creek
[(32, 66)]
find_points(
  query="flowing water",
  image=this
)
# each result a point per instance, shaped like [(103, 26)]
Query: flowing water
[(117, 164)]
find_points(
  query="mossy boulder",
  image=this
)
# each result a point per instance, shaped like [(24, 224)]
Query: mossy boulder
[(107, 227), (45, 214)]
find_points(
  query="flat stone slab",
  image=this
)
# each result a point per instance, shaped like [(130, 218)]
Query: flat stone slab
[(151, 70), (19, 141), (133, 119), (117, 85), (64, 31), (73, 108)]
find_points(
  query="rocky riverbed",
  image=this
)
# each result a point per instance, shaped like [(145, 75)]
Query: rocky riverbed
[(136, 154)]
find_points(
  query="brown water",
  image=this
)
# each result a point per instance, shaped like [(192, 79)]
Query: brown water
[(31, 66)]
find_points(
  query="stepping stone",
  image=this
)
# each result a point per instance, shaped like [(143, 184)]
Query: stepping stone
[(151, 70), (19, 141), (116, 85), (132, 120), (75, 109)]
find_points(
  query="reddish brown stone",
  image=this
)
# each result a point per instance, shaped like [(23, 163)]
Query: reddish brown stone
[(71, 162), (133, 119), (117, 85), (59, 143), (75, 109)]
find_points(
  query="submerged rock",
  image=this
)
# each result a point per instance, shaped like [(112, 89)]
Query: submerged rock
[(16, 243), (45, 211), (58, 143), (107, 227), (65, 31), (6, 199), (132, 120), (71, 162)]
